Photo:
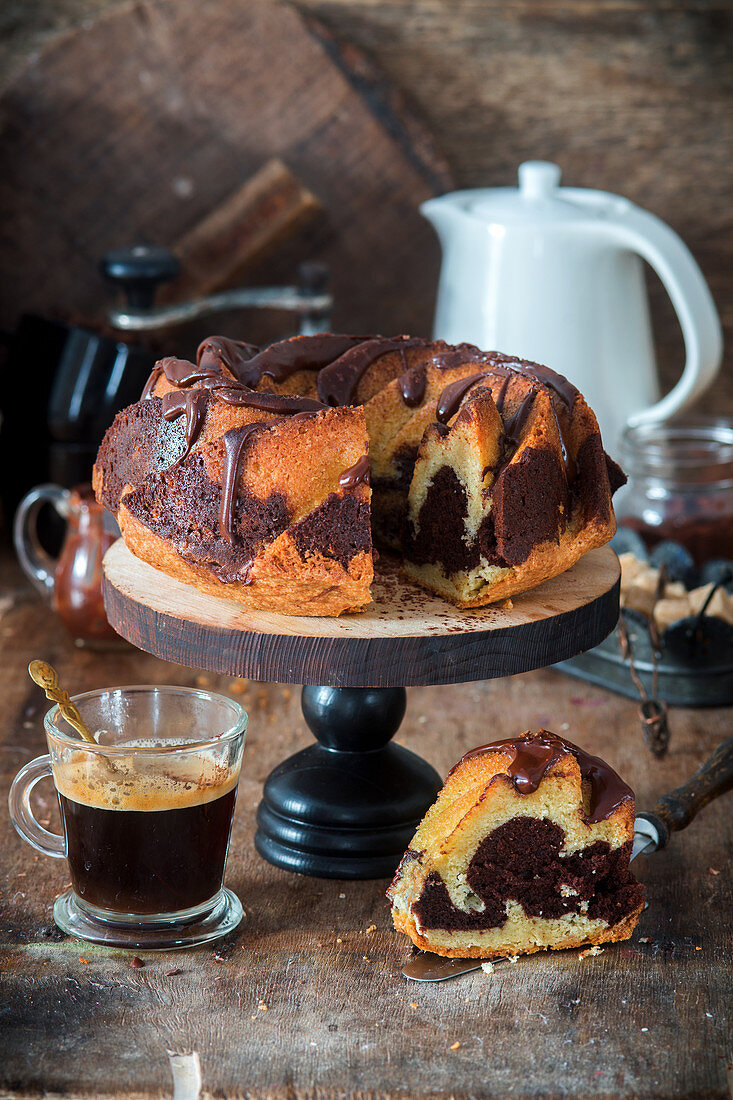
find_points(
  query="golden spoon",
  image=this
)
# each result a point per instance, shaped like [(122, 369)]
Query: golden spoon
[(47, 677)]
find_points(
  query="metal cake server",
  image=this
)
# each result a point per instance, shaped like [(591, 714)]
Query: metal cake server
[(652, 831)]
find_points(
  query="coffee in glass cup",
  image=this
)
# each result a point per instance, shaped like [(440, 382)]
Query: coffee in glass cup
[(147, 814)]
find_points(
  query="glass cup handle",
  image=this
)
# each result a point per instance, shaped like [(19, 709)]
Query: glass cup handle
[(38, 565), (21, 814)]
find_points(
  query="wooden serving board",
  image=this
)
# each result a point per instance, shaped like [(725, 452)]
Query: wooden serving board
[(146, 120), (407, 636)]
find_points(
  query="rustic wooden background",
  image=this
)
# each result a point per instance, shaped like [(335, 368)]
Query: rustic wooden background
[(634, 96)]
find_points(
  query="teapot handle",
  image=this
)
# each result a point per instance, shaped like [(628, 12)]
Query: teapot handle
[(675, 265), (37, 564)]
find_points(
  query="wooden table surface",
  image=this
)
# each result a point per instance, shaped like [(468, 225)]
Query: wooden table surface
[(306, 999)]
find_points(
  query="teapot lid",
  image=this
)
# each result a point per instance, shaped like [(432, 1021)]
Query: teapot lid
[(537, 199)]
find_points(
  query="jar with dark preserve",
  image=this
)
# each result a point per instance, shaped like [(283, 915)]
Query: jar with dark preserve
[(680, 485)]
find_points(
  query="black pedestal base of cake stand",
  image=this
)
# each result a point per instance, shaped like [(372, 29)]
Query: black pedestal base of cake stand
[(347, 806)]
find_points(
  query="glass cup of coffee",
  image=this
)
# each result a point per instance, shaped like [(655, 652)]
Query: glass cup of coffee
[(147, 814)]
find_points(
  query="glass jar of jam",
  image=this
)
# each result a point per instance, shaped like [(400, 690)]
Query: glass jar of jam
[(680, 485)]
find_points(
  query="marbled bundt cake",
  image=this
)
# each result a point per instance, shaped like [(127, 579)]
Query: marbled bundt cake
[(249, 474), (527, 847)]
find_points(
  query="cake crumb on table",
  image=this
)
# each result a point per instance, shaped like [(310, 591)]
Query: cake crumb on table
[(455, 1046), (370, 929), (487, 967), (595, 950)]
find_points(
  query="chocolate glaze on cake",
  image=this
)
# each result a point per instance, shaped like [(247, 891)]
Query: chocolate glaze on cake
[(217, 350), (180, 373), (193, 404), (281, 360), (208, 374), (412, 386), (337, 383), (450, 399), (234, 442), (358, 474), (532, 756)]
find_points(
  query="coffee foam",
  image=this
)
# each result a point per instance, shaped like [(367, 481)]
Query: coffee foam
[(143, 781)]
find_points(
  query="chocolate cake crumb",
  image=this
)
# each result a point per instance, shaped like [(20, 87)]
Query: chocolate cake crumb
[(338, 528), (181, 504), (441, 526), (521, 861), (529, 502)]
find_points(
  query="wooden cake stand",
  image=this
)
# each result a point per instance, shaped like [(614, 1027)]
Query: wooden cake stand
[(348, 806)]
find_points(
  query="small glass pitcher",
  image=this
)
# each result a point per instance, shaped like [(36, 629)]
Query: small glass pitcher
[(73, 581)]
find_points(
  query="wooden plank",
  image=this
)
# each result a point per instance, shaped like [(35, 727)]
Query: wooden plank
[(248, 225), (340, 1019), (406, 636), (198, 98)]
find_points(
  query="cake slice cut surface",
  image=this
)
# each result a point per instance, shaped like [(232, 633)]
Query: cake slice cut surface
[(526, 848)]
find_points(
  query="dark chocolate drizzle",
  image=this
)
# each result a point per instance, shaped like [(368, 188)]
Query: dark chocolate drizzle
[(337, 383), (180, 373), (450, 399), (500, 397), (412, 385), (564, 389), (287, 404), (514, 424), (192, 403), (358, 474), (233, 354), (534, 754), (183, 374), (287, 357), (234, 442)]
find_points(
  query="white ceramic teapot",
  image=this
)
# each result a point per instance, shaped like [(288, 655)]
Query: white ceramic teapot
[(553, 274)]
